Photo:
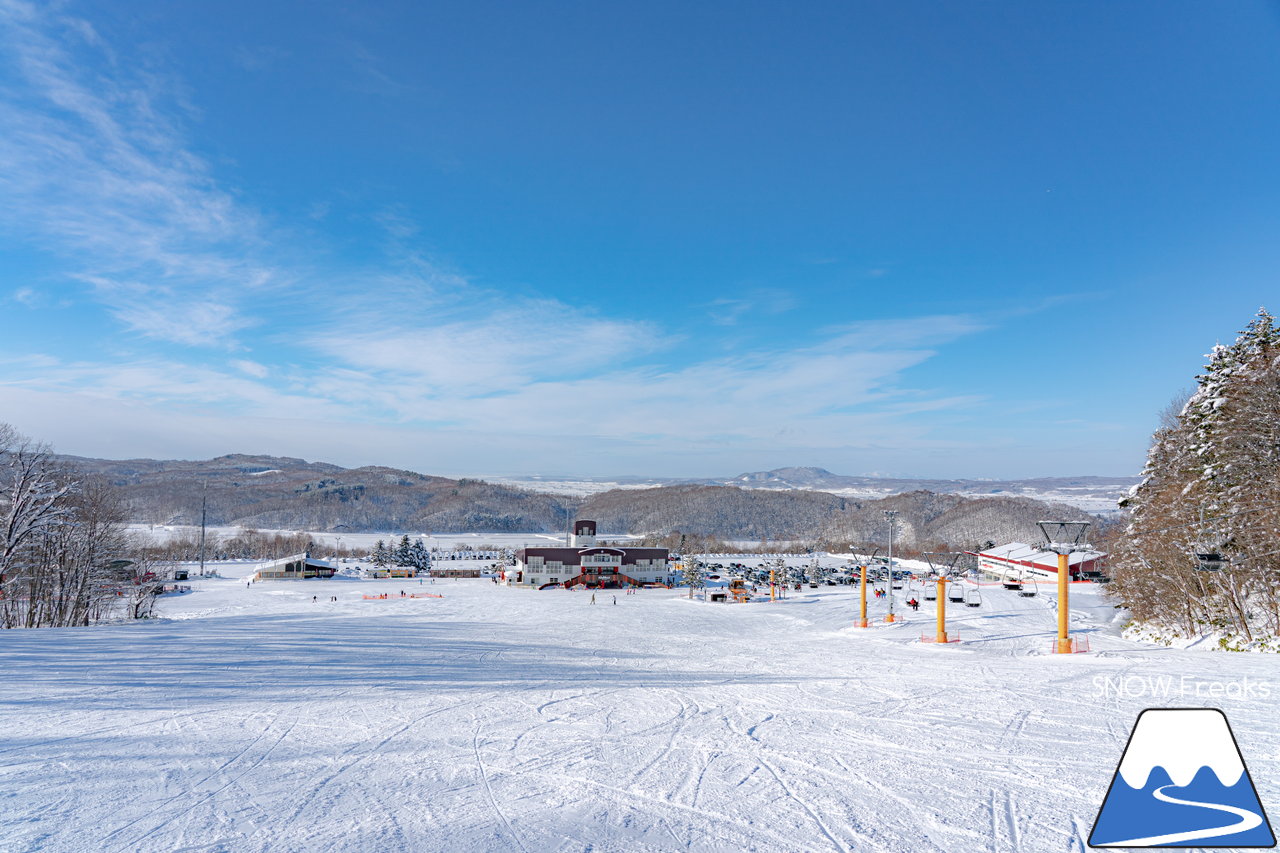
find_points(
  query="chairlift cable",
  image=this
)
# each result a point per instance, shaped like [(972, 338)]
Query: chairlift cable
[(1201, 522)]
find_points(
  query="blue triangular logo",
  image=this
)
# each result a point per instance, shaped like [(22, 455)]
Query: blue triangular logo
[(1182, 782)]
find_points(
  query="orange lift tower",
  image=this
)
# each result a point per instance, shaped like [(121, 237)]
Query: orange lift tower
[(943, 564), (1064, 538), (862, 614), (862, 617)]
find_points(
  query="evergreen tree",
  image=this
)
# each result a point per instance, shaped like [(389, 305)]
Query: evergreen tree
[(693, 574), (380, 554), (419, 557)]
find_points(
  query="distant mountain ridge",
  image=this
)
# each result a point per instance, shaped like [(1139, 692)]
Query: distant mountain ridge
[(274, 492), (1094, 494), (1106, 489)]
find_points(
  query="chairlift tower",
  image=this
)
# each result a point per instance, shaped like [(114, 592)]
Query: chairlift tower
[(892, 516), (862, 595), (943, 564), (1064, 538), (862, 584)]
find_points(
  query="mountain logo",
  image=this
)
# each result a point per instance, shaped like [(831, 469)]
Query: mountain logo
[(1182, 782)]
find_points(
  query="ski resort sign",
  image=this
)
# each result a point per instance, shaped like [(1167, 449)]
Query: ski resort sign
[(1182, 782)]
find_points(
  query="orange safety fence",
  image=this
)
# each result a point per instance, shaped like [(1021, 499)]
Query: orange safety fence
[(1079, 645), (387, 595)]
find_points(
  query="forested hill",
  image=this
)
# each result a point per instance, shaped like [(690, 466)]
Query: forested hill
[(925, 519), (280, 492), (284, 493)]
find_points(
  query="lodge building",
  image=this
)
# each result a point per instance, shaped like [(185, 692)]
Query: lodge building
[(586, 562), (296, 567)]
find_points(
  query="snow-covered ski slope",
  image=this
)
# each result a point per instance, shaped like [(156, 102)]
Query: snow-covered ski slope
[(252, 719)]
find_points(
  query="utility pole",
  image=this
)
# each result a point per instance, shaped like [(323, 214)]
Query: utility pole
[(892, 515), (204, 507)]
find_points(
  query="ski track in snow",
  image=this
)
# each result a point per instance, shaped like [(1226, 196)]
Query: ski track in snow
[(252, 719)]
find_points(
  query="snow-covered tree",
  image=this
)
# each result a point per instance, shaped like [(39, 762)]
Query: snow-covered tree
[(1211, 485), (694, 577), (61, 539), (381, 555), (418, 556), (401, 556)]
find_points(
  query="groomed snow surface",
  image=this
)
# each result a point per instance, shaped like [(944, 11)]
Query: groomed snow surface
[(254, 719)]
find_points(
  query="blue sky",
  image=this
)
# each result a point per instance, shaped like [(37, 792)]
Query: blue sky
[(921, 239)]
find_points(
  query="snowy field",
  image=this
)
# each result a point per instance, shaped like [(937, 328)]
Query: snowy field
[(254, 719)]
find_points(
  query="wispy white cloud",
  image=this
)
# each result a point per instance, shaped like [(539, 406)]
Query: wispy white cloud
[(252, 368), (491, 346), (258, 57), (27, 296), (368, 72), (927, 331), (92, 168), (481, 379), (728, 311)]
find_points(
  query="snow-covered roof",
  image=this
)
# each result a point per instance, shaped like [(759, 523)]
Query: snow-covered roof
[(1022, 552), (268, 565)]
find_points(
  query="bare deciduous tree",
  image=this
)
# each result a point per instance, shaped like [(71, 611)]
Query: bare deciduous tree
[(62, 541)]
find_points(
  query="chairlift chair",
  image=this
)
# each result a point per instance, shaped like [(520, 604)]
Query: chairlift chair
[(1012, 581), (955, 593), (973, 598), (1210, 561), (930, 592), (1029, 592), (1207, 548)]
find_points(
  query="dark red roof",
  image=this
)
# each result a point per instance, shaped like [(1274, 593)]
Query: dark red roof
[(571, 556)]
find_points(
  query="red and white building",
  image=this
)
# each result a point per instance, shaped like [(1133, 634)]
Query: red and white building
[(1033, 560), (590, 564)]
